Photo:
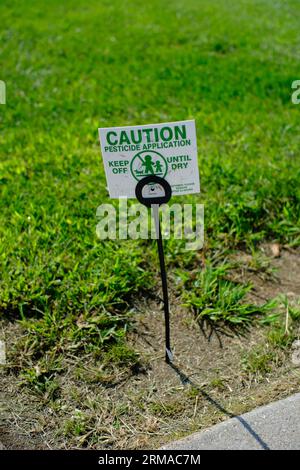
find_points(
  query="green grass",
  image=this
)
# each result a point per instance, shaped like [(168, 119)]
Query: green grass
[(71, 67)]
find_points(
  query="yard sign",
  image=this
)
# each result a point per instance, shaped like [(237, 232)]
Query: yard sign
[(167, 150), (151, 163)]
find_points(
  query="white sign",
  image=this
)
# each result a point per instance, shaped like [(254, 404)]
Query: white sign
[(168, 150)]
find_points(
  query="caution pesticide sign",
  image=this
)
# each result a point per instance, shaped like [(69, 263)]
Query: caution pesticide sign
[(167, 150)]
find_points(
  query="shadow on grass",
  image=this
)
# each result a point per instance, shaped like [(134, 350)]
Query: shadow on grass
[(209, 328), (185, 380)]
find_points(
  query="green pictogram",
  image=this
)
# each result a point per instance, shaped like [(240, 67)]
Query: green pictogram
[(148, 163)]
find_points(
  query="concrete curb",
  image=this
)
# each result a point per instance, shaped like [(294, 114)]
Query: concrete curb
[(274, 426)]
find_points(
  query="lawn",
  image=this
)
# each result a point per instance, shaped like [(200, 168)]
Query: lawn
[(71, 67)]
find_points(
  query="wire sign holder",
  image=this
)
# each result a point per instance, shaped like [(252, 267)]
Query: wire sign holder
[(152, 191)]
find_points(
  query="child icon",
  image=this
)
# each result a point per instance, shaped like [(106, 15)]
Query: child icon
[(148, 164), (158, 167)]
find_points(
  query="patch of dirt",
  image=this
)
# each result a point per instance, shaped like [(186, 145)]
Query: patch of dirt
[(157, 403)]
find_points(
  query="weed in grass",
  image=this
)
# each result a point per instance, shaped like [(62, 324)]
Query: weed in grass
[(43, 382), (217, 383), (291, 308), (283, 331), (294, 312), (167, 408), (218, 300), (121, 355), (279, 338), (258, 361), (192, 392), (75, 426)]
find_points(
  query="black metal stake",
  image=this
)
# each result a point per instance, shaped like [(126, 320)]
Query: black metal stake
[(169, 355), (154, 202)]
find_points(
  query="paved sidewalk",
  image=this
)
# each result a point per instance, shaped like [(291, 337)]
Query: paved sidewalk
[(274, 426)]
